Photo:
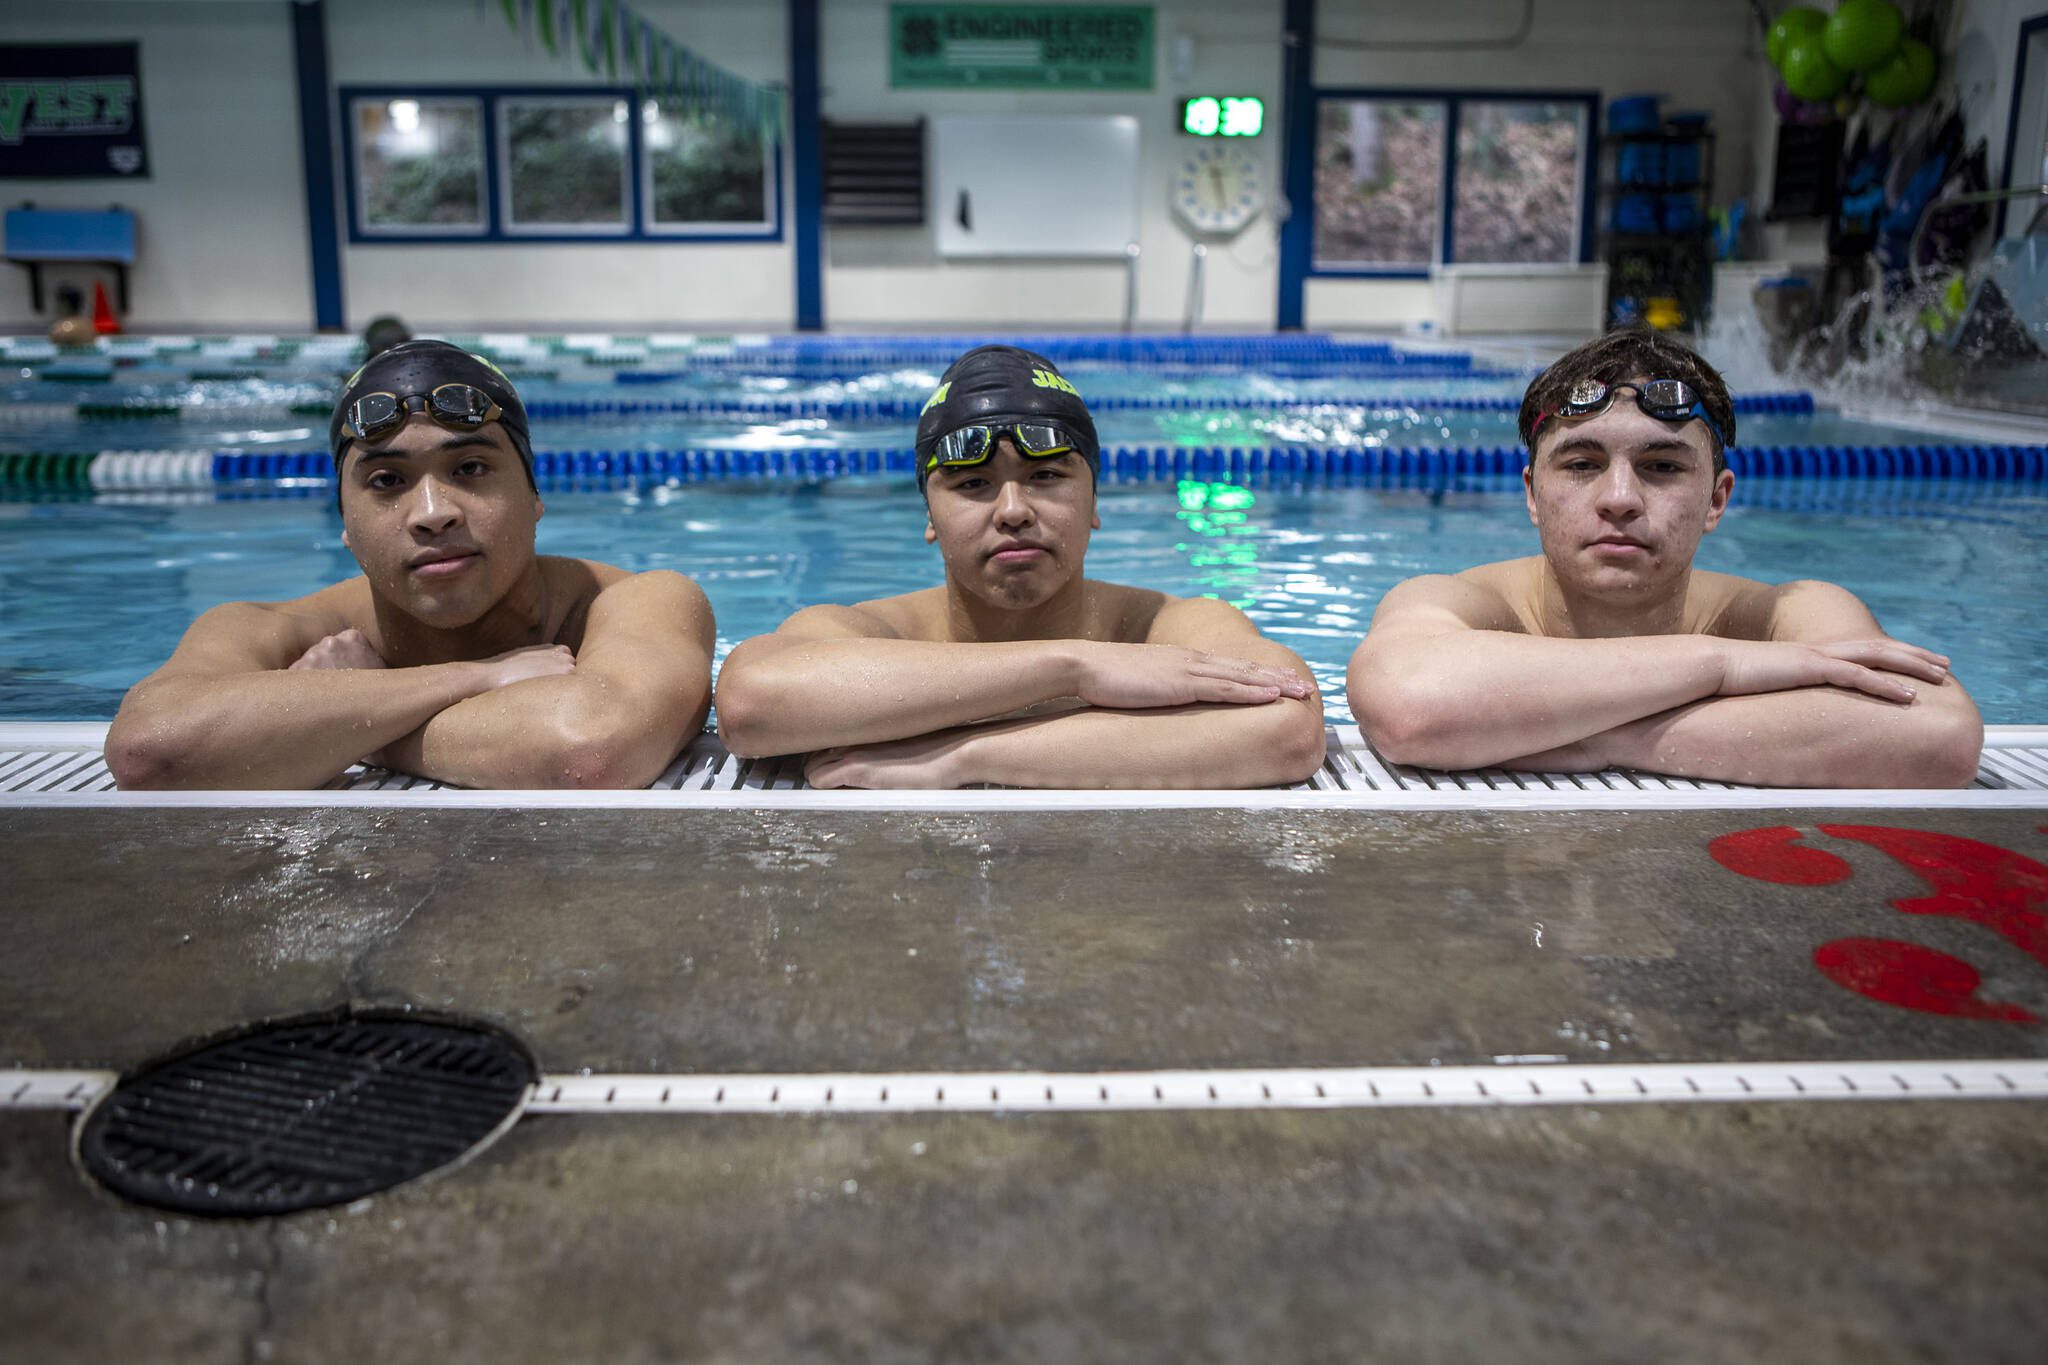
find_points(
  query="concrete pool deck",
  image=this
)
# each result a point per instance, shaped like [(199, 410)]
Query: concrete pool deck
[(739, 941)]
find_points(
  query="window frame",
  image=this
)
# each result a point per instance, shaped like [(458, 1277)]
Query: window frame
[(709, 229), (498, 230), (1451, 98), (628, 201), (360, 226)]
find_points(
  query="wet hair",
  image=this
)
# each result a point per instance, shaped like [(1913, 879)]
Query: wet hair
[(1629, 353), (418, 367), (1004, 385)]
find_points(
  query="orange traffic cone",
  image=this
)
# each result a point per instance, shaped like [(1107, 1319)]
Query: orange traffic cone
[(103, 320)]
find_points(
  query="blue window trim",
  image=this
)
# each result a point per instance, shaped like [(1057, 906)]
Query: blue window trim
[(316, 137), (494, 233), (1452, 98), (2028, 28), (1298, 152), (809, 171)]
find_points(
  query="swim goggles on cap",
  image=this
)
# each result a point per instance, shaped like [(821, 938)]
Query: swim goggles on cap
[(376, 415), (973, 445), (1667, 400)]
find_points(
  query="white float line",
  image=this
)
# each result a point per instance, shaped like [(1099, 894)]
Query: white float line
[(1382, 1087)]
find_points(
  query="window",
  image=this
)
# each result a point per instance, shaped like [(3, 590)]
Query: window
[(1407, 180), (705, 173), (566, 164), (420, 166), (565, 160), (1379, 184), (1516, 195)]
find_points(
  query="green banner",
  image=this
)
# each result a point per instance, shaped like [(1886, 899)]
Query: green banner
[(1020, 47)]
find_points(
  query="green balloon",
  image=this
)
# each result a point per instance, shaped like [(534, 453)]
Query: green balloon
[(1906, 79), (1863, 34), (1800, 21), (1809, 74)]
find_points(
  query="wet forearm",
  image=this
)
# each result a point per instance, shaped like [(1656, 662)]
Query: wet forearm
[(1472, 699), (1191, 747), (576, 731), (289, 728), (1807, 737), (791, 696)]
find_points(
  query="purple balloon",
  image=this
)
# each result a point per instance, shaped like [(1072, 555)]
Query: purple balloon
[(1793, 109)]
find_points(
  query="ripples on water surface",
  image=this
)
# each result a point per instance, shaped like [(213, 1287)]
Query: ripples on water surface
[(94, 595)]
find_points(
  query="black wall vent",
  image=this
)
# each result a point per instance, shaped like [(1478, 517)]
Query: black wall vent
[(874, 173), (304, 1113)]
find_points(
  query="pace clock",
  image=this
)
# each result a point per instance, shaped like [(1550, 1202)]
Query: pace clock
[(1218, 188)]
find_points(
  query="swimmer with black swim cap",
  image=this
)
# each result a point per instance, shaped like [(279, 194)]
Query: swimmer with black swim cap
[(997, 391), (456, 389), (1018, 670), (458, 653)]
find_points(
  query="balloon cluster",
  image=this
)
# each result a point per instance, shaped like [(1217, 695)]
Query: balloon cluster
[(1817, 55)]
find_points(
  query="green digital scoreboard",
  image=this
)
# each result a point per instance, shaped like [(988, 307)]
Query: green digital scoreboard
[(1223, 115)]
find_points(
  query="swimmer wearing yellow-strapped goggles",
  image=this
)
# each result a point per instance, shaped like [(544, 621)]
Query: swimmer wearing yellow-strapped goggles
[(997, 392)]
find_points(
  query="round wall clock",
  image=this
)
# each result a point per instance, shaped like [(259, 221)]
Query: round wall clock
[(1218, 187)]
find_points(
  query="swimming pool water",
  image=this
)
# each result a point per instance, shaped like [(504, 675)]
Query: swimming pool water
[(262, 418), (95, 594)]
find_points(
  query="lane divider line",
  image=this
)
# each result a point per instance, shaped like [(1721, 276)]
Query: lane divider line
[(1385, 1087)]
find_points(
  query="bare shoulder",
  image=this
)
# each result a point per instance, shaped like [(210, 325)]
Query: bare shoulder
[(239, 637), (654, 600), (1216, 627), (884, 618), (1480, 598), (1121, 614), (1814, 611), (1196, 622), (575, 583), (654, 587)]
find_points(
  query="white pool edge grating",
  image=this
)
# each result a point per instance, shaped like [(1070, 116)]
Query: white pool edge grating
[(60, 764)]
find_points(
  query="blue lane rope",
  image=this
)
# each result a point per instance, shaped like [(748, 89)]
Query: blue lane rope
[(906, 409), (855, 369), (1405, 464)]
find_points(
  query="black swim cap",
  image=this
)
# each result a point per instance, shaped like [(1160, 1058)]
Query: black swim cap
[(994, 385), (419, 367)]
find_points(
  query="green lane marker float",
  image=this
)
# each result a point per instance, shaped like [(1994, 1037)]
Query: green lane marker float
[(40, 470)]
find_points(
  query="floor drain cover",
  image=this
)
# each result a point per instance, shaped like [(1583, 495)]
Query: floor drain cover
[(305, 1113)]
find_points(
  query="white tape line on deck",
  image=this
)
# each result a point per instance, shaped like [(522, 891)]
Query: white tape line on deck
[(1386, 1087), (1308, 1088), (52, 1089)]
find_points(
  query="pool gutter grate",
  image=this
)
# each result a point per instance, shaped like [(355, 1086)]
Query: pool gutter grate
[(303, 1114), (61, 764)]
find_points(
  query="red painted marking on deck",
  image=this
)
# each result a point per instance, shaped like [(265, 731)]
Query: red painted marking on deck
[(1969, 880), (1775, 855), (1913, 977), (1973, 881)]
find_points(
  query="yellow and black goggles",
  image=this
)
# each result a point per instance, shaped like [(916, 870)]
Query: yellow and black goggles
[(460, 406), (973, 445)]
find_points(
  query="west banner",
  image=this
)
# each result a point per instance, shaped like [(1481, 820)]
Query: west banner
[(71, 110)]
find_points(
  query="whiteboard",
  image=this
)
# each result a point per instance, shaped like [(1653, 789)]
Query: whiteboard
[(1038, 186)]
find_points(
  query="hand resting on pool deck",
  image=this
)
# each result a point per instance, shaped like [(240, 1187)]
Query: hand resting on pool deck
[(458, 654), (1018, 670), (1609, 650)]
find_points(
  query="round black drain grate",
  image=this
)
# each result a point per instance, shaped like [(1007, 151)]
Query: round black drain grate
[(305, 1113)]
